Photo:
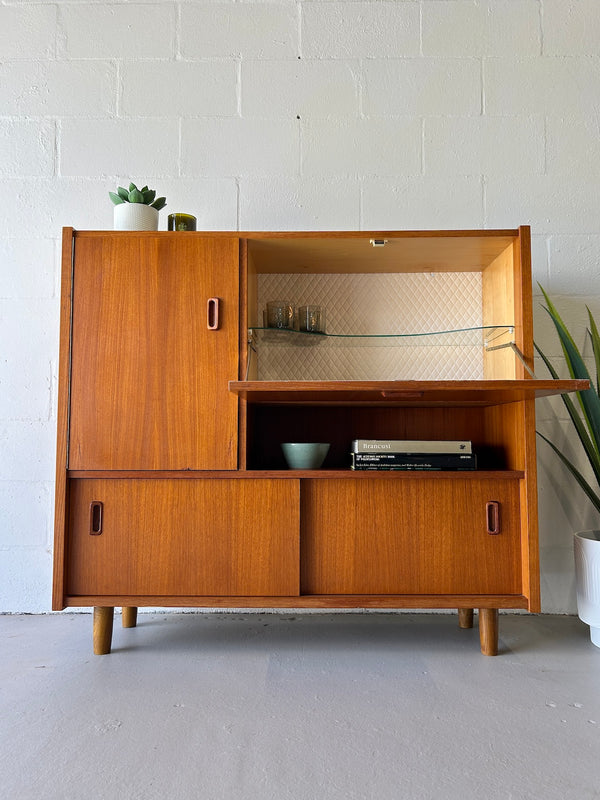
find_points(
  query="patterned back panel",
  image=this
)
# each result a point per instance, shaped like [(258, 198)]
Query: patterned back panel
[(411, 303)]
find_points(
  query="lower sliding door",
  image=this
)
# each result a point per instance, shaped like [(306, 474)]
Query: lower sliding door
[(183, 537), (411, 535)]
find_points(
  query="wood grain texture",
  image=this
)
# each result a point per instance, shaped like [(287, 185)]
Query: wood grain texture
[(523, 299), (102, 629), (169, 537), (61, 486), (294, 475), (498, 308), (505, 433), (129, 616), (246, 288), (418, 393), (465, 618), (305, 601), (405, 251), (425, 537), (529, 517), (149, 381), (512, 428), (488, 631)]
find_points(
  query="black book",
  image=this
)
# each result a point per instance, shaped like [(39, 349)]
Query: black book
[(399, 461)]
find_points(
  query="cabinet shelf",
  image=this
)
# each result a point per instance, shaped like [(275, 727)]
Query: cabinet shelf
[(479, 336), (296, 474), (421, 393)]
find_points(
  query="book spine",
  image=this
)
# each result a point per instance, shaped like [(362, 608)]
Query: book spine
[(408, 462), (410, 446)]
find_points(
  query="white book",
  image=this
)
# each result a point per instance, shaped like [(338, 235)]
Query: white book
[(410, 446)]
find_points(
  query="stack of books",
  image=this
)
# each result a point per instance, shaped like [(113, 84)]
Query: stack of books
[(390, 454)]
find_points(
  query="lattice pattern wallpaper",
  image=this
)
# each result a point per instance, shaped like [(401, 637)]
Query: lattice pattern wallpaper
[(377, 304)]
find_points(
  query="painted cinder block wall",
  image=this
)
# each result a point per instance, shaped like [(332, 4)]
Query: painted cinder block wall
[(293, 114)]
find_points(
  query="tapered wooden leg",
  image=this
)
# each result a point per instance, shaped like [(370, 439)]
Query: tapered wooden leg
[(488, 631), (103, 625), (465, 617), (129, 616)]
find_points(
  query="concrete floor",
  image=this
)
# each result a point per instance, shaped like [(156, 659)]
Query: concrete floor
[(298, 707)]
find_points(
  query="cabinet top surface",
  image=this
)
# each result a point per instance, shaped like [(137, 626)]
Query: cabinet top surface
[(349, 234), (354, 251)]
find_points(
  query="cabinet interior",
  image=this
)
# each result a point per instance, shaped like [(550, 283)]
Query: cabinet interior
[(387, 307), (497, 432), (416, 283)]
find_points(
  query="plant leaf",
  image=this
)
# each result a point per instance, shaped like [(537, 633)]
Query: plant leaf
[(123, 193), (580, 426), (149, 195), (117, 199), (159, 203), (133, 187), (593, 496), (588, 399), (595, 337), (136, 196)]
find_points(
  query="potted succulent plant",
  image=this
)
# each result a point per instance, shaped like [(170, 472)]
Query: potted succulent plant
[(136, 209), (585, 416)]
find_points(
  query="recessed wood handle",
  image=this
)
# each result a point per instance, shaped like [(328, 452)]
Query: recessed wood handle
[(402, 395), (95, 518), (492, 513), (212, 313)]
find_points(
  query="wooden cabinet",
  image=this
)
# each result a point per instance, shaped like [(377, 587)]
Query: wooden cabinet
[(171, 487)]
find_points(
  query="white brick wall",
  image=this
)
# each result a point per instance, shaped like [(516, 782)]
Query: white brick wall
[(290, 114), (128, 31), (300, 88), (179, 89), (360, 30)]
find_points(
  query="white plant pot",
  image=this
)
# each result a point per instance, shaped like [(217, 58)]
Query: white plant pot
[(135, 217), (587, 573)]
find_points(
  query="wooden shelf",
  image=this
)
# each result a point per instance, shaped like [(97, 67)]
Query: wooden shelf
[(294, 474), (303, 601), (421, 393)]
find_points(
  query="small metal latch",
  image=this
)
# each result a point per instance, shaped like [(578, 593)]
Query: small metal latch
[(378, 242)]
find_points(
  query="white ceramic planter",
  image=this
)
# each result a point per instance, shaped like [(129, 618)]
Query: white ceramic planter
[(135, 217), (587, 572)]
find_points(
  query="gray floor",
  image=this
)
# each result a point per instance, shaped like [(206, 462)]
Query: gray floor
[(319, 707)]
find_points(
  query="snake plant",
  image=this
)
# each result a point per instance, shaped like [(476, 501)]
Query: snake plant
[(585, 411), (134, 195)]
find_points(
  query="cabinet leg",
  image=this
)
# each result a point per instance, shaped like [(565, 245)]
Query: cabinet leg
[(488, 631), (465, 617), (129, 616), (103, 625)]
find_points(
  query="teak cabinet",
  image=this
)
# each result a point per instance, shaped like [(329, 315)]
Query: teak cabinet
[(173, 401)]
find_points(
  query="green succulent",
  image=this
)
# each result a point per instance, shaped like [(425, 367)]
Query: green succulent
[(145, 196), (585, 413)]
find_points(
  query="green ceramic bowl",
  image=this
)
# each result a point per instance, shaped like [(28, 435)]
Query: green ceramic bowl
[(304, 455)]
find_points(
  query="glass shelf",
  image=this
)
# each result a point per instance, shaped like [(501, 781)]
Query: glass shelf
[(484, 336)]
